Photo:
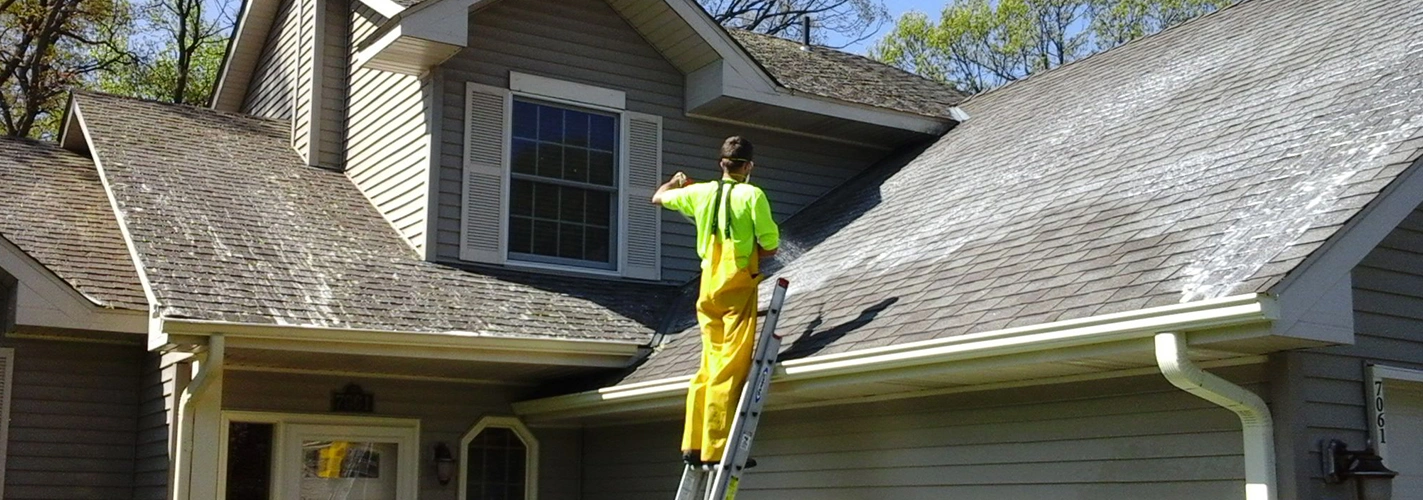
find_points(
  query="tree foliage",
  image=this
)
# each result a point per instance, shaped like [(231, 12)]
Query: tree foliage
[(980, 44), (178, 55), (852, 20), (47, 46)]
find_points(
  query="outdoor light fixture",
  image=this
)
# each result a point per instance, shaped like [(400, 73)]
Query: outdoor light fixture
[(1374, 481), (444, 464)]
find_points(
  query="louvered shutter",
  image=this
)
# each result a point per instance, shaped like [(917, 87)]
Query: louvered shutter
[(7, 370), (485, 169), (642, 226)]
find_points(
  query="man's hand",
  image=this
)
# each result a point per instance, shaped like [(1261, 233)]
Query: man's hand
[(678, 180)]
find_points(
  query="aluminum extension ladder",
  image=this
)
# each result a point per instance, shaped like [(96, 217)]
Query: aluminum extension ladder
[(725, 476)]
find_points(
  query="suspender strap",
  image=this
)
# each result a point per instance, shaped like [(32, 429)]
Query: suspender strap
[(716, 210)]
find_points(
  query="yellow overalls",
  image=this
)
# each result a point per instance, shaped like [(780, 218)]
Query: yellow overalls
[(726, 311)]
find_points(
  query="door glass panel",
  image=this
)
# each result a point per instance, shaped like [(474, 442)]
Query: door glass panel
[(348, 470), (249, 461)]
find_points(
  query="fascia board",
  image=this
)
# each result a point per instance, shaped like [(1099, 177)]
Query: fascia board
[(846, 111), (385, 8), (741, 62), (578, 352), (1333, 261), (439, 21), (375, 46), (153, 320), (232, 81), (720, 79), (1098, 330), (46, 300)]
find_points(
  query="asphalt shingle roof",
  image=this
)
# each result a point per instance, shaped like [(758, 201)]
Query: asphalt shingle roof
[(230, 225), (53, 207), (848, 77), (1205, 161)]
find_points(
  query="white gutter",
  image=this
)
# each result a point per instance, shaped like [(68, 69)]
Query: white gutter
[(1255, 420), (442, 340), (209, 367), (922, 358)]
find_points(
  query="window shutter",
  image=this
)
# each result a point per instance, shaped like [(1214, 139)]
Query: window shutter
[(642, 221), (7, 371), (485, 170)]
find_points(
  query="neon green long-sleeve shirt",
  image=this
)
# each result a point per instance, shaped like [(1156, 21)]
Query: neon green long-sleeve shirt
[(743, 204)]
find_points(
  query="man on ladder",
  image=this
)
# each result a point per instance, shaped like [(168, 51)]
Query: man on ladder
[(734, 231)]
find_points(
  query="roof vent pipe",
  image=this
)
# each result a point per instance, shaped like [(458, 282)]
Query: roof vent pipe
[(1255, 421), (805, 33)]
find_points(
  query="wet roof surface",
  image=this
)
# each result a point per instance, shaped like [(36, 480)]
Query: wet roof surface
[(53, 207), (848, 77), (232, 226), (1206, 161)]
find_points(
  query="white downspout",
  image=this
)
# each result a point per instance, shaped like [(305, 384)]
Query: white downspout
[(209, 366), (1255, 420)]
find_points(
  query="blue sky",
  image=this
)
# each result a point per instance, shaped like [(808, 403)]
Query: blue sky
[(896, 8)]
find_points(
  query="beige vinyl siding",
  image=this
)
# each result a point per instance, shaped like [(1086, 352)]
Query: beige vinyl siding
[(1388, 325), (162, 381), (271, 92), (336, 28), (387, 141), (1121, 438), (446, 411), (306, 51), (73, 418), (585, 41)]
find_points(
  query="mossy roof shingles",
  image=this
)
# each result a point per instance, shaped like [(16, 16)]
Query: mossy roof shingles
[(230, 225), (53, 207), (1205, 161)]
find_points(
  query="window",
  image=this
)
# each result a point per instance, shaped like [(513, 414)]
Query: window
[(500, 457), (558, 174), (563, 185)]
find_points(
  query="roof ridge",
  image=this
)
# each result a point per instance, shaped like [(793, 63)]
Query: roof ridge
[(1169, 29), (145, 100), (858, 56)]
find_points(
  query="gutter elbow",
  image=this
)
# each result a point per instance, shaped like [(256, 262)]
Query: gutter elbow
[(1256, 423)]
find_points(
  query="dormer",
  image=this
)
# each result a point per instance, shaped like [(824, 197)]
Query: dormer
[(528, 134)]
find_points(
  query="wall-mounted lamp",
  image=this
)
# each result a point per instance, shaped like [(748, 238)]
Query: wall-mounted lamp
[(444, 464), (1374, 481)]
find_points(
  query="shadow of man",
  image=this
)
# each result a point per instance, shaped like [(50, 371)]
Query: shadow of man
[(811, 341)]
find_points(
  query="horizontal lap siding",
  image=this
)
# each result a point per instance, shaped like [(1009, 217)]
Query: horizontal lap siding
[(446, 412), (1128, 438), (586, 41), (162, 381), (1388, 325), (387, 142), (306, 43), (73, 419), (270, 93)]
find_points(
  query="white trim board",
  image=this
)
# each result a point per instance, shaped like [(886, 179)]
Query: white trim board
[(281, 421), (531, 450), (925, 358), (1376, 378), (43, 299), (567, 90)]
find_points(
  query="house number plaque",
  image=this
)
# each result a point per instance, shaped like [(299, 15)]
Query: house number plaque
[(352, 399)]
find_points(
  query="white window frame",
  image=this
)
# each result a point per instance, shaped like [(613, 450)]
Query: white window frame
[(1376, 397), (560, 92), (531, 457), (408, 430)]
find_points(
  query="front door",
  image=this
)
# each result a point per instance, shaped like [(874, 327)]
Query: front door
[(329, 462)]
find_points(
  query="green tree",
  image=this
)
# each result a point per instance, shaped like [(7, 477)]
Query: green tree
[(980, 44), (47, 46), (852, 20), (179, 51)]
